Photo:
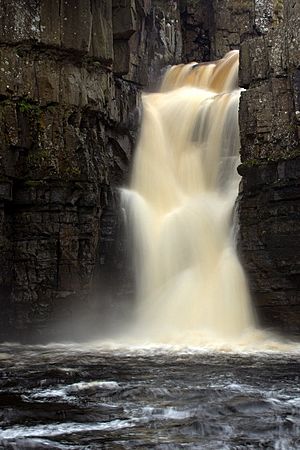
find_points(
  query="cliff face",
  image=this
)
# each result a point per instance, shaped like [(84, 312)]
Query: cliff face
[(71, 74), (70, 79), (211, 28), (270, 134), (267, 33)]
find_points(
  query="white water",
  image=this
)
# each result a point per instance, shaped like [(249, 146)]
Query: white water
[(189, 282)]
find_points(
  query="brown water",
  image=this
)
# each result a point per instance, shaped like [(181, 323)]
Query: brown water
[(192, 371), (190, 285)]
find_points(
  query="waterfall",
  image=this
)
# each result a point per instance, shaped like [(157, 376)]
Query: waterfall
[(189, 281)]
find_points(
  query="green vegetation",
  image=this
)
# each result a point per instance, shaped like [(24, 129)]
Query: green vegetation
[(71, 172), (278, 10), (34, 183), (26, 106), (39, 157)]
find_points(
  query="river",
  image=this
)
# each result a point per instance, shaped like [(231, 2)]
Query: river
[(108, 397)]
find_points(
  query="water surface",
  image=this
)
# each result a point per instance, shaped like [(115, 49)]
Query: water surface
[(92, 397)]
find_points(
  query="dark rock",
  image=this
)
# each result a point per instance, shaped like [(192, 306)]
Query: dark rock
[(71, 74), (269, 199), (70, 83), (124, 19)]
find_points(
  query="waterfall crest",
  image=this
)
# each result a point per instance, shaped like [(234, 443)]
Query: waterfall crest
[(180, 202)]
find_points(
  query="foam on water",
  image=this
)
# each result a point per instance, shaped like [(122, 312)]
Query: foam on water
[(191, 287), (191, 290), (57, 429)]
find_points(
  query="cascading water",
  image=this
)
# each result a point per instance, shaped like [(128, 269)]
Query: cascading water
[(133, 391), (189, 281)]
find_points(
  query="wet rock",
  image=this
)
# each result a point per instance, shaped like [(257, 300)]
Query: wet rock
[(124, 19), (270, 240), (71, 75), (70, 81), (269, 202)]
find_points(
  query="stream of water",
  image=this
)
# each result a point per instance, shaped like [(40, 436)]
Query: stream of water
[(108, 397), (190, 283), (192, 370)]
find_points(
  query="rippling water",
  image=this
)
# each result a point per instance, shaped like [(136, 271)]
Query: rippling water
[(81, 397)]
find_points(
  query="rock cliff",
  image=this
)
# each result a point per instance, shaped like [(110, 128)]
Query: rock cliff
[(71, 74), (270, 134), (267, 33)]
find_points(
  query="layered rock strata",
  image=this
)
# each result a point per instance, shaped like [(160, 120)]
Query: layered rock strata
[(71, 73), (70, 79), (270, 135)]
